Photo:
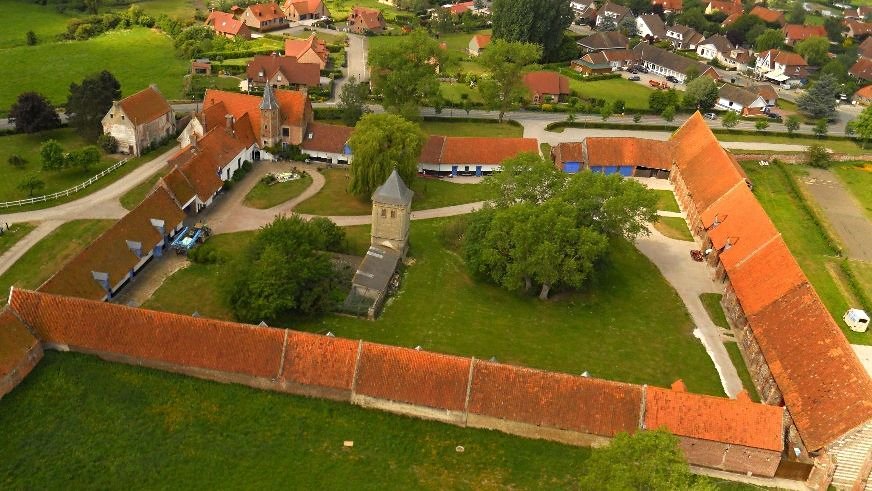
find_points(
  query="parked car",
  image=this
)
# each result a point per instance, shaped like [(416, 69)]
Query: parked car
[(672, 79), (711, 116), (633, 70), (642, 69), (773, 116), (634, 78)]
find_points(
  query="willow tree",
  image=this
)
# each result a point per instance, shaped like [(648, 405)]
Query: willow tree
[(381, 143)]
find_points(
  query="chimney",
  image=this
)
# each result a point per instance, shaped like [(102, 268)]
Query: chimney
[(228, 119)]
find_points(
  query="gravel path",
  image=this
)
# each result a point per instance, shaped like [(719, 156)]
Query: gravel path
[(842, 211)]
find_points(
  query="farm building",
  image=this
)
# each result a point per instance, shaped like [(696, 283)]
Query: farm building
[(626, 156), (140, 121), (455, 155), (327, 143)]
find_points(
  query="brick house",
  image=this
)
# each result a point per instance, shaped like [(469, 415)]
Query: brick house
[(282, 71), (363, 20), (794, 33), (264, 17), (297, 10), (546, 86), (309, 50), (227, 25), (478, 44), (768, 16), (140, 120)]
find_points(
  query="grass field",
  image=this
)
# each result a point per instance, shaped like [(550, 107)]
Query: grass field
[(16, 232), (264, 196), (674, 228), (634, 95), (742, 369), (628, 324), (809, 247), (90, 423), (712, 304), (339, 9), (136, 57), (49, 254), (483, 128), (334, 200), (858, 178), (666, 200), (841, 146), (19, 16), (131, 198), (454, 92)]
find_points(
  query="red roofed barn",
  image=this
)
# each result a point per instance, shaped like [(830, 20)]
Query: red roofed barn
[(139, 121), (547, 86)]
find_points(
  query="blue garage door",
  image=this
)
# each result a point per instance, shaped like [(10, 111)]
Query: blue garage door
[(611, 169), (570, 167), (596, 168), (626, 170)]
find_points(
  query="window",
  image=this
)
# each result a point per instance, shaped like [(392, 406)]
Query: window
[(122, 117), (393, 213), (384, 213), (286, 131)]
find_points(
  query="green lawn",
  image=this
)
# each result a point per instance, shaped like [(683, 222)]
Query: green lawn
[(666, 200), (339, 9), (20, 16), (635, 96), (48, 255), (477, 128), (674, 228), (809, 247), (334, 200), (16, 232), (454, 92), (858, 178), (842, 146), (264, 196), (459, 41), (628, 324), (131, 198), (786, 105), (136, 57), (89, 423), (742, 369), (199, 84), (712, 304)]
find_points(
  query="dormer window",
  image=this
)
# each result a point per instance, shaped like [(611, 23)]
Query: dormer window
[(260, 73)]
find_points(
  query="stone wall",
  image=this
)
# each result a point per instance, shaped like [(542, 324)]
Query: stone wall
[(11, 379)]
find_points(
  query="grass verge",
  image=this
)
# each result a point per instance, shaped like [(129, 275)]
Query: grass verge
[(75, 413), (666, 201), (712, 304), (674, 228), (132, 198), (858, 179), (468, 128), (742, 369), (627, 324), (263, 196), (49, 254), (16, 232)]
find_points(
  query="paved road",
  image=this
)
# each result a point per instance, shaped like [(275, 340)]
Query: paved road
[(843, 211)]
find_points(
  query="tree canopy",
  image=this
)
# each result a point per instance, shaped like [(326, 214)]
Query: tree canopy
[(379, 144), (649, 460), (404, 73), (532, 21), (819, 101), (504, 61), (33, 112), (769, 39), (285, 271), (550, 229), (89, 101), (701, 93), (352, 101), (814, 50), (863, 125)]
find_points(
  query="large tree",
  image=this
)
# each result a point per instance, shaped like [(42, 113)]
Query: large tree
[(504, 61), (404, 73), (532, 21), (284, 271), (524, 178), (769, 39), (379, 144), (352, 101), (89, 101), (650, 460), (33, 112), (819, 101), (814, 50), (701, 93), (863, 126)]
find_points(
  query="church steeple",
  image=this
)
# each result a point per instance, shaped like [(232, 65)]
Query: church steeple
[(271, 118)]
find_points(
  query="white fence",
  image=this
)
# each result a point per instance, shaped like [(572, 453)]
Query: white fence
[(66, 192)]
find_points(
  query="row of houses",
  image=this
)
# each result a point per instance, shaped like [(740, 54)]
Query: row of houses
[(264, 17)]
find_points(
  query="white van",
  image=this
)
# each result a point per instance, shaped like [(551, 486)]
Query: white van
[(857, 320)]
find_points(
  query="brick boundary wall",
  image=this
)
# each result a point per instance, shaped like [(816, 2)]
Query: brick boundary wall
[(12, 378)]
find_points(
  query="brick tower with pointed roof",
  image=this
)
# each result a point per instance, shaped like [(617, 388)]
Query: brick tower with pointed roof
[(391, 211), (271, 118)]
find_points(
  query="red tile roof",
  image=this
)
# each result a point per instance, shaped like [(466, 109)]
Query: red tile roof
[(482, 40), (369, 18), (431, 152), (857, 28), (862, 69), (672, 5), (788, 58), (266, 11), (414, 377), (171, 338), (179, 185), (765, 276), (826, 389), (322, 137), (298, 47), (726, 6), (743, 226), (145, 106), (262, 68), (225, 23), (546, 83), (767, 15), (628, 150), (865, 92), (15, 341), (461, 7), (311, 359), (303, 7), (294, 106), (567, 152), (552, 399), (484, 150), (798, 32), (733, 421), (110, 253)]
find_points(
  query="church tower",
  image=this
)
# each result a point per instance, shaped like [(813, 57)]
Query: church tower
[(391, 210), (270, 118)]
